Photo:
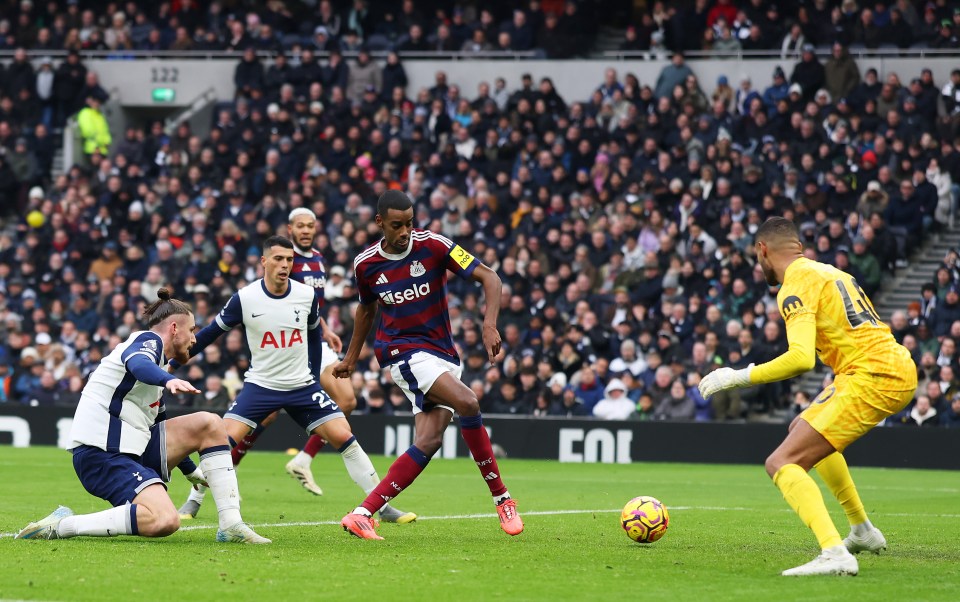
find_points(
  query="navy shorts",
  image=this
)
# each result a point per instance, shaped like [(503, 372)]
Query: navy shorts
[(309, 407), (119, 478)]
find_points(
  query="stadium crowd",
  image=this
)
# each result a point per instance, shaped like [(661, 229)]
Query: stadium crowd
[(620, 224), (543, 28)]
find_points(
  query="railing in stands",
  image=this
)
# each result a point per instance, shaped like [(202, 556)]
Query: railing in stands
[(823, 51), (197, 105), (619, 55)]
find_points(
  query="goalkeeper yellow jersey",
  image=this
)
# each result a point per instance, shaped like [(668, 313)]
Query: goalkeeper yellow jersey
[(850, 337)]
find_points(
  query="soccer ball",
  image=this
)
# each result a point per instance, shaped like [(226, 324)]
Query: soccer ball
[(644, 519)]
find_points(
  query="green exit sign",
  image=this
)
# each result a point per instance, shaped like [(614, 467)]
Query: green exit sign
[(163, 94)]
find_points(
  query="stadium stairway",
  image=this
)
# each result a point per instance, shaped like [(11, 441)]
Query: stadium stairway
[(900, 290), (608, 39)]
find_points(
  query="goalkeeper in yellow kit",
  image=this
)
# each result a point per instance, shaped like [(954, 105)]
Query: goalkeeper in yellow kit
[(827, 314)]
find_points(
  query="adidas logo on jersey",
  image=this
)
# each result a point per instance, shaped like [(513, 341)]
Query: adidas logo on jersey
[(414, 292), (382, 279)]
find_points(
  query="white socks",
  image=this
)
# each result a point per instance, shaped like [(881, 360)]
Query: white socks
[(499, 499), (197, 494), (359, 467), (302, 459), (862, 529), (107, 523), (218, 468)]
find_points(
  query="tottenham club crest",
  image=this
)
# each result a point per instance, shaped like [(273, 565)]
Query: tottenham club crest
[(417, 269)]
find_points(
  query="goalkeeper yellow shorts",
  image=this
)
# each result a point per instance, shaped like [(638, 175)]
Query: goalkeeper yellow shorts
[(851, 406)]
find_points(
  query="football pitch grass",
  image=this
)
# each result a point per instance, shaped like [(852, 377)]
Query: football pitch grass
[(730, 536)]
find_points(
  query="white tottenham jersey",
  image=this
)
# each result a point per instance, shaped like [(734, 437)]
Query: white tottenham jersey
[(276, 328), (116, 410)]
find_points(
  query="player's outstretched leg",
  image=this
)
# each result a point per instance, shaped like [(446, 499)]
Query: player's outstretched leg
[(46, 527), (365, 476), (401, 474), (299, 466), (471, 428), (803, 495), (150, 515), (803, 448), (863, 537)]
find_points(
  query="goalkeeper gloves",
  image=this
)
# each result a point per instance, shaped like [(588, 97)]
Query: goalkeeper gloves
[(723, 379)]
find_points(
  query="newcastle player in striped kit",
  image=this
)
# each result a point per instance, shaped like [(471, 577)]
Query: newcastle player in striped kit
[(405, 273)]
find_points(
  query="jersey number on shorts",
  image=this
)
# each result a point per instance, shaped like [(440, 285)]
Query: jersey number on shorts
[(865, 313), (323, 400)]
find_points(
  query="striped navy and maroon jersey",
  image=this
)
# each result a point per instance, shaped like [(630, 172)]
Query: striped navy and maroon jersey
[(309, 270), (411, 288)]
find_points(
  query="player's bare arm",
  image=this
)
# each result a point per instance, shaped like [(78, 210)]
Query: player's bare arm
[(491, 291)]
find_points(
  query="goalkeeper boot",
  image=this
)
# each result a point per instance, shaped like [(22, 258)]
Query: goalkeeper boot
[(871, 541), (46, 527), (832, 561)]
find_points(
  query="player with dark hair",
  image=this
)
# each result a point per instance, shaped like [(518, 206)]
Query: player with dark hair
[(124, 447), (827, 314), (406, 274), (308, 268), (281, 318)]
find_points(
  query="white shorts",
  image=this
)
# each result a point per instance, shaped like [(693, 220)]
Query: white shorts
[(416, 374), (327, 357)]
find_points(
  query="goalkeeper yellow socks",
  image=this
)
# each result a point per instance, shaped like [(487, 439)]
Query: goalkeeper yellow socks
[(835, 474), (803, 495)]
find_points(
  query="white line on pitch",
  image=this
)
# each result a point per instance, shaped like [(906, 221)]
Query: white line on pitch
[(549, 513)]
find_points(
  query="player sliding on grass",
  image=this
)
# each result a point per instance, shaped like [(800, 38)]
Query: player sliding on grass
[(826, 313), (406, 272), (281, 318), (123, 448), (307, 268)]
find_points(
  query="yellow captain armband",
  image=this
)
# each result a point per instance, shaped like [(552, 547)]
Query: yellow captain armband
[(460, 256)]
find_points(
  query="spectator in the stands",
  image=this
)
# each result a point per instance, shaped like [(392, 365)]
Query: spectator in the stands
[(615, 404), (94, 129)]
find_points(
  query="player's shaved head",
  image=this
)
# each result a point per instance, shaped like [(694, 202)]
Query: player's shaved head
[(393, 199), (777, 231)]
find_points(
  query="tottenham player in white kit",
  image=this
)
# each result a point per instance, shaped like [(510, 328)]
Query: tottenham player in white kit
[(308, 268), (123, 448), (282, 323)]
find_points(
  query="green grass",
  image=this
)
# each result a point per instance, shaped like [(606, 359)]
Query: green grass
[(730, 536)]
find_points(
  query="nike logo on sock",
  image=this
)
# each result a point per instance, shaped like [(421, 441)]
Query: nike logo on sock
[(255, 315)]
